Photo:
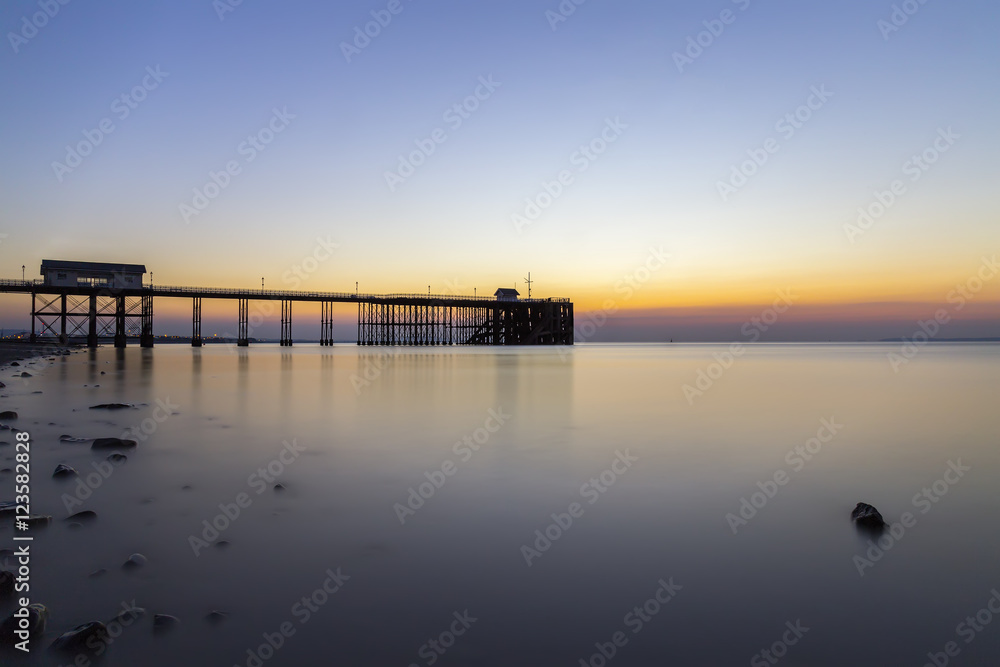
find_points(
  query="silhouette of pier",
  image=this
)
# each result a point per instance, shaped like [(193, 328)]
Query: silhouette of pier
[(83, 304)]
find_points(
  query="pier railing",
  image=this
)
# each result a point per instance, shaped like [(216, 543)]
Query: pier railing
[(186, 290), (166, 290)]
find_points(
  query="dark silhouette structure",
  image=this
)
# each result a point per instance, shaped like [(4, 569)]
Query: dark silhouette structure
[(94, 301)]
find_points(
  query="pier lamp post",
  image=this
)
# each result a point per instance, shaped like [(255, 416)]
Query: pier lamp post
[(22, 273), (150, 280), (262, 284)]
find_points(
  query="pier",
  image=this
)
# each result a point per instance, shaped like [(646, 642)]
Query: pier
[(92, 302)]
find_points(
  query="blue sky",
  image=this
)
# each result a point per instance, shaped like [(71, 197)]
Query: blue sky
[(656, 185)]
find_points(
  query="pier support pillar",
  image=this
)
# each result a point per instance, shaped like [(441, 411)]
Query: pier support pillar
[(286, 323), (62, 319), (242, 336), (196, 322), (326, 323), (32, 339), (119, 321), (92, 322), (146, 331), (365, 324)]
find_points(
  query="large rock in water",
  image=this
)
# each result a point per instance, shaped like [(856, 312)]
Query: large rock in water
[(216, 616), (112, 443), (38, 616), (88, 635), (134, 561), (866, 515), (63, 470), (111, 406), (8, 414), (162, 622)]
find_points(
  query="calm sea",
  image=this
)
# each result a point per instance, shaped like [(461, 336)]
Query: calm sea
[(600, 505)]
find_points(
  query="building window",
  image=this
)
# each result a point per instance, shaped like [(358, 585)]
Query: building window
[(60, 276)]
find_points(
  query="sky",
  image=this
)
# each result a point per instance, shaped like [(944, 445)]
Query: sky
[(674, 168)]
